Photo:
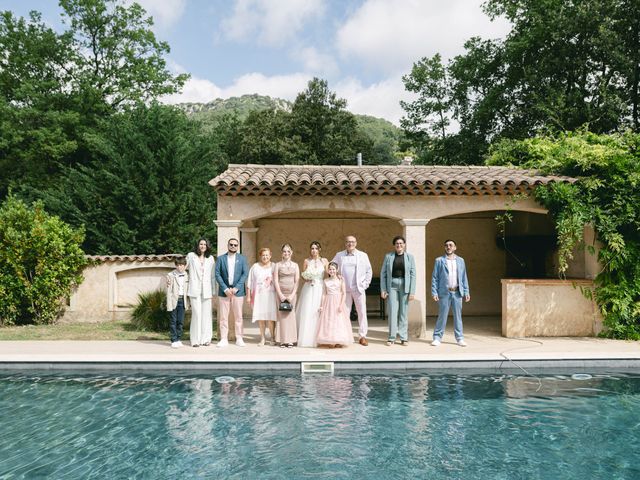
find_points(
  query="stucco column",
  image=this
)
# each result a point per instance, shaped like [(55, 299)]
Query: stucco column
[(415, 233), (227, 229), (249, 244)]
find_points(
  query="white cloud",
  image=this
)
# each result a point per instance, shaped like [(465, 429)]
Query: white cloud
[(389, 35), (380, 99), (316, 62), (278, 86), (195, 90), (165, 13), (272, 23)]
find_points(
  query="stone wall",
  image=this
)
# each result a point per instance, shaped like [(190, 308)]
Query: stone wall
[(548, 308), (111, 286)]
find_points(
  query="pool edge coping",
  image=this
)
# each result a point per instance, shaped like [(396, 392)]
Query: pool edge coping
[(340, 365)]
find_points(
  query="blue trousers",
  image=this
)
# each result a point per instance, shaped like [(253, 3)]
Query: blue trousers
[(176, 323), (397, 305), (452, 299)]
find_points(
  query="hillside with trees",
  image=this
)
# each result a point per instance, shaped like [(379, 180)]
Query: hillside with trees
[(383, 137)]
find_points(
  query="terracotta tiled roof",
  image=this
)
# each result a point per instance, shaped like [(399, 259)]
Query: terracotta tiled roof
[(259, 180), (168, 257)]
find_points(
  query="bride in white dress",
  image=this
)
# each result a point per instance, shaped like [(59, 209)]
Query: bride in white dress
[(314, 270)]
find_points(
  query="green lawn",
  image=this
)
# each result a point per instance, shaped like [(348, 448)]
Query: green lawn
[(83, 331)]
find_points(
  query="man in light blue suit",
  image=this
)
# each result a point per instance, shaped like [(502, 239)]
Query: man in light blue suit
[(398, 284), (449, 285), (231, 274)]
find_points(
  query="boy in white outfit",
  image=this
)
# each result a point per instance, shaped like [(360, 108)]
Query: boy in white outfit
[(177, 300)]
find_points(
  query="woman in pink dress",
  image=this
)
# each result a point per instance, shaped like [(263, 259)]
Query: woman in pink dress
[(261, 293), (334, 327), (286, 278)]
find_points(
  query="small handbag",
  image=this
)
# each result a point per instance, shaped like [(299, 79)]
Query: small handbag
[(285, 306)]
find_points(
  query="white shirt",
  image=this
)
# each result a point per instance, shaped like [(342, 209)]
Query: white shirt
[(452, 281), (180, 284), (231, 267), (349, 262)]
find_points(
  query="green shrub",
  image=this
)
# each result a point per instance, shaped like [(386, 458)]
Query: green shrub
[(606, 196), (150, 313), (40, 263)]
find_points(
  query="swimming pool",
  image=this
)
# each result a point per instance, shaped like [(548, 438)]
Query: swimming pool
[(379, 426)]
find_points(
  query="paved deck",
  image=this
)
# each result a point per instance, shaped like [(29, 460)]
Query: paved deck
[(487, 349)]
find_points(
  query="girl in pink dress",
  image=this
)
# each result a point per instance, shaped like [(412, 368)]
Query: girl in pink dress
[(334, 327)]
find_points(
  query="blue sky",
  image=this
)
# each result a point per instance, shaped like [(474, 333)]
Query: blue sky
[(274, 47)]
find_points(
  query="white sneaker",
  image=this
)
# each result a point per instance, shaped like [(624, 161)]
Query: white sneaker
[(436, 343), (240, 342), (176, 344), (462, 343), (223, 343), (179, 343)]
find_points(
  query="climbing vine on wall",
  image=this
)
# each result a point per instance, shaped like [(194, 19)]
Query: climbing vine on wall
[(605, 196)]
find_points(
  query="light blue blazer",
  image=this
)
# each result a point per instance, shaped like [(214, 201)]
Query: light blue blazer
[(240, 274), (409, 273), (439, 279)]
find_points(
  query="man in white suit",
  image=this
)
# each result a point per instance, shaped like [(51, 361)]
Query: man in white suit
[(356, 270), (449, 285)]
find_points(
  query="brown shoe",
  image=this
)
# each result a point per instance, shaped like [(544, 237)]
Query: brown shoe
[(363, 342)]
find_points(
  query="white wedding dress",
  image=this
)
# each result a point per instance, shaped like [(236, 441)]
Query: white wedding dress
[(309, 303)]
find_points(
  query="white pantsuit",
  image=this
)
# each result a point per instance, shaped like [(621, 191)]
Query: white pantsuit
[(200, 294)]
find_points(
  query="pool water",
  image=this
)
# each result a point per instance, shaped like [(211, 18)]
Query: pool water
[(378, 426)]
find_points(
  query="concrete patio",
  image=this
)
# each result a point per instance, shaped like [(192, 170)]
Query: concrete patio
[(486, 350)]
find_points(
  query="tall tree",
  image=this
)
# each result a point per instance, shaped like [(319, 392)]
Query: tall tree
[(117, 60), (145, 189), (564, 64), (38, 125), (55, 86), (320, 120), (266, 139), (428, 118), (431, 113)]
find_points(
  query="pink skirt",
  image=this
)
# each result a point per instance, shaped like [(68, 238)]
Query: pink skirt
[(334, 327)]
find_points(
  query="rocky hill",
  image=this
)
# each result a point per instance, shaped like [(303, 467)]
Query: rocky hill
[(377, 129), (241, 106)]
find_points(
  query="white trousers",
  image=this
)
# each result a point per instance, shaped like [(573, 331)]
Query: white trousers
[(360, 299), (201, 329)]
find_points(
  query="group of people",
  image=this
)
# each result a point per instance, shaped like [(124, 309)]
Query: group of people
[(320, 315)]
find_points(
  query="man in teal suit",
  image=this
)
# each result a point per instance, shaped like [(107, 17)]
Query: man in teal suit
[(449, 285), (398, 284)]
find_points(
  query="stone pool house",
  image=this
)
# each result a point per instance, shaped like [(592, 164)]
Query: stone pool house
[(512, 277)]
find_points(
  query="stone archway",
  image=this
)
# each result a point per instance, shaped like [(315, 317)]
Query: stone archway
[(407, 197)]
